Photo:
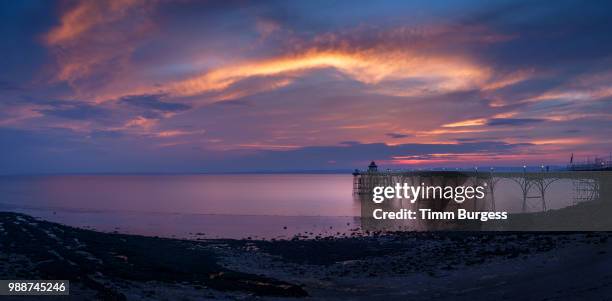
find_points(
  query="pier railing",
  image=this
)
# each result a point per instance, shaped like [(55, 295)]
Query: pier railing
[(588, 185)]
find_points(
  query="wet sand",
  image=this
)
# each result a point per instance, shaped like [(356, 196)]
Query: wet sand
[(393, 266)]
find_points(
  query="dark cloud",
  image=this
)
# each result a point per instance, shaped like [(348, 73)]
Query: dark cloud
[(233, 103), (106, 134), (468, 139), (154, 102), (572, 36), (513, 121), (397, 135), (73, 152), (80, 111), (357, 154)]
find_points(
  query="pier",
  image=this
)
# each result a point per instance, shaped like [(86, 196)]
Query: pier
[(588, 185)]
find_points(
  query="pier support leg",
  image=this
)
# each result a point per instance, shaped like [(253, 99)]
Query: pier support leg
[(525, 189), (492, 189)]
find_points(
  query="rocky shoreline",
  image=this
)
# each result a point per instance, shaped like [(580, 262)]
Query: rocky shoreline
[(394, 266), (104, 264)]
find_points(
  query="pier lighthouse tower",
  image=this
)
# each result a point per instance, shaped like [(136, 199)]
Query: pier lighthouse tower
[(363, 181), (372, 167)]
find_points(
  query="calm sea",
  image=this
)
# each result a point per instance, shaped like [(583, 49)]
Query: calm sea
[(209, 206)]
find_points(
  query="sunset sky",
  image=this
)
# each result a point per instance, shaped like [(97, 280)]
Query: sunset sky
[(206, 86)]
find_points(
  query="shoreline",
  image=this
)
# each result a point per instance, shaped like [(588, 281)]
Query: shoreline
[(197, 226), (102, 263), (416, 265)]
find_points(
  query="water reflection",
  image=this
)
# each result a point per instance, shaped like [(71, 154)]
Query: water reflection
[(215, 206), (233, 206)]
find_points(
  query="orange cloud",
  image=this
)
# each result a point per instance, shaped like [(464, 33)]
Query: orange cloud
[(142, 122), (561, 141), (444, 132), (264, 146), (87, 14), (93, 33), (14, 116), (449, 159), (268, 86), (477, 121), (175, 133), (578, 95), (398, 64), (74, 22), (469, 122), (172, 133), (438, 73), (508, 80)]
